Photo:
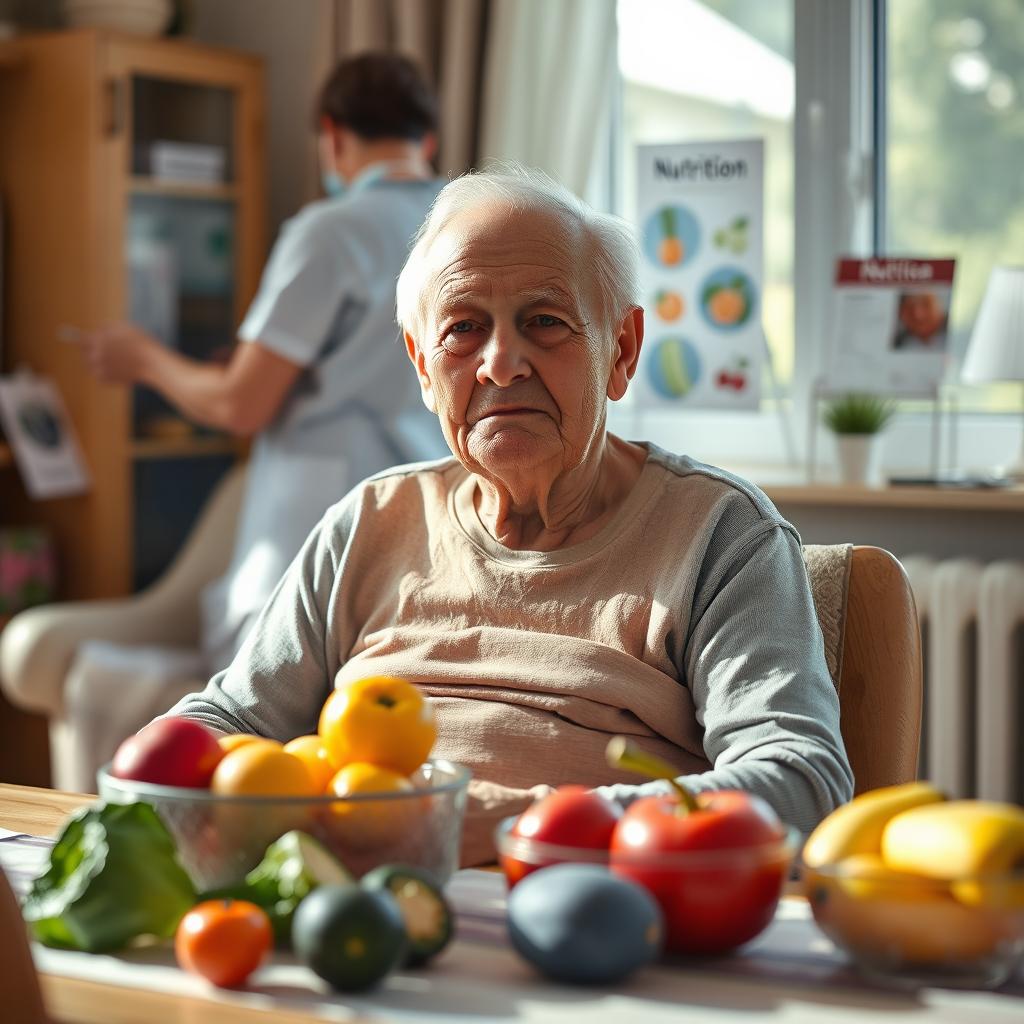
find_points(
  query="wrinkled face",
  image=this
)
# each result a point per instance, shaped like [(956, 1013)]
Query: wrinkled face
[(512, 354), (922, 314)]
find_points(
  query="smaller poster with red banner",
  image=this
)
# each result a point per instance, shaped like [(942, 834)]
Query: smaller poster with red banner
[(890, 330)]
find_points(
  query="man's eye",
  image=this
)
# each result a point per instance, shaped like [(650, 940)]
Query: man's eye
[(546, 320), (462, 327)]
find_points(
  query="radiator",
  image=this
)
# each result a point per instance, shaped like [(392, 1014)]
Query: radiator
[(971, 617)]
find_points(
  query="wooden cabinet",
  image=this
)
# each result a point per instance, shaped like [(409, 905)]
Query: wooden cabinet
[(101, 227)]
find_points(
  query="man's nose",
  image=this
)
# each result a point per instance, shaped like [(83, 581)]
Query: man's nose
[(504, 359)]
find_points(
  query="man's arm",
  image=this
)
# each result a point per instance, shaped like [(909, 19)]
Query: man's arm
[(241, 397), (755, 664)]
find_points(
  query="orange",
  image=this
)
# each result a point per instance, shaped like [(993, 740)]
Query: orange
[(371, 823), (671, 251), (240, 739), (310, 751), (670, 305), (224, 941), (262, 769), (379, 720), (727, 306)]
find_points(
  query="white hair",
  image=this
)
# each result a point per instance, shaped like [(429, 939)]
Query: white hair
[(612, 255)]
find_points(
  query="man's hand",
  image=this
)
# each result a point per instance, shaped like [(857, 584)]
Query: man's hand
[(488, 803), (116, 353)]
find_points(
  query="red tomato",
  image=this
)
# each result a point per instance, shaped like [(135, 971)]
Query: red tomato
[(717, 872), (571, 817), (224, 941), (169, 752)]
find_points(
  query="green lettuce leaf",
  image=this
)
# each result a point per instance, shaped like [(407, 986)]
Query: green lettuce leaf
[(113, 875)]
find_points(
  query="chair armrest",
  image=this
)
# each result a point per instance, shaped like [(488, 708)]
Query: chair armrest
[(38, 645)]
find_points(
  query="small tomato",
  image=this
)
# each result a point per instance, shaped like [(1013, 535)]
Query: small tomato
[(223, 941)]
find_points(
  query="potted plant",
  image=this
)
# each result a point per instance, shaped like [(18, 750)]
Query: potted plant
[(857, 421)]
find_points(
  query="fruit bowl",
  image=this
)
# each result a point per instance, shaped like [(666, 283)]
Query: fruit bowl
[(713, 900), (914, 930), (220, 838)]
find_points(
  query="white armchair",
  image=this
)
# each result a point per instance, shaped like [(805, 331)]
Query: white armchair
[(39, 645)]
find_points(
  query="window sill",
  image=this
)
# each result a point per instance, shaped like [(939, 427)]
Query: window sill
[(788, 486)]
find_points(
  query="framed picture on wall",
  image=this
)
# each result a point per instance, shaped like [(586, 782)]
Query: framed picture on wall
[(41, 435), (890, 325)]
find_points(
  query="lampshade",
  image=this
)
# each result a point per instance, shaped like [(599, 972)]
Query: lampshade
[(996, 349)]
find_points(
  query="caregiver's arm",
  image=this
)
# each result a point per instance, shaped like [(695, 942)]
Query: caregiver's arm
[(755, 664)]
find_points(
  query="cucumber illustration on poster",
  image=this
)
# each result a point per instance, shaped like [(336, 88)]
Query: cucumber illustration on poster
[(700, 214)]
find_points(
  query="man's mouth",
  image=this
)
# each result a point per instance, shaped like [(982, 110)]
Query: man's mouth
[(518, 410)]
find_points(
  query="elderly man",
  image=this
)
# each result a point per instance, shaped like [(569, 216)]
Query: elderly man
[(551, 585)]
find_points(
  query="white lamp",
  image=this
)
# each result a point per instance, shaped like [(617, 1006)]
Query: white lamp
[(996, 349)]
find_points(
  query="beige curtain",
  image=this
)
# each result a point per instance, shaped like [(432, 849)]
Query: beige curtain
[(547, 85), (445, 37)]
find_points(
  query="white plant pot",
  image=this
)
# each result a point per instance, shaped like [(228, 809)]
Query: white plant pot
[(860, 458)]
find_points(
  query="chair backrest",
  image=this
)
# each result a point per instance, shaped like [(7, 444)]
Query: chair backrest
[(880, 688)]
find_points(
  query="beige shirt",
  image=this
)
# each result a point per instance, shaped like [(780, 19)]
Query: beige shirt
[(686, 623)]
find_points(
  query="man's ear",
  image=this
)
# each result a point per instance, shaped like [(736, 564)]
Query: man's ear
[(416, 357), (628, 343), (428, 146)]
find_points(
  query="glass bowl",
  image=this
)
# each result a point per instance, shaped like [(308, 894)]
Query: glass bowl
[(713, 900), (221, 838), (966, 933)]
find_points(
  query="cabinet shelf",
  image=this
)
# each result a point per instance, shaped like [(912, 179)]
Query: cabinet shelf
[(141, 186), (183, 447)]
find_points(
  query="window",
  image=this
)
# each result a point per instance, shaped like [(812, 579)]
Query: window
[(717, 69), (953, 147)]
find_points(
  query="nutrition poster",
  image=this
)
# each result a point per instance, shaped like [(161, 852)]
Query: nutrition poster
[(700, 214)]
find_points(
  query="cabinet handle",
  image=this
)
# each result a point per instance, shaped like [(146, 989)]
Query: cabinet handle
[(114, 93)]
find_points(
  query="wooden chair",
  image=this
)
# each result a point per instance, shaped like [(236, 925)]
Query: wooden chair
[(881, 678)]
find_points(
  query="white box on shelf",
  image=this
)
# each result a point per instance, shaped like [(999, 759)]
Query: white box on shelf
[(186, 161)]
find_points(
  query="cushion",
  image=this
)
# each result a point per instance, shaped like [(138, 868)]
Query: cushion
[(828, 572)]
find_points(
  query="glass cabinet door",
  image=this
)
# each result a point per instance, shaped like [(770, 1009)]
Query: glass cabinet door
[(181, 230), (181, 227)]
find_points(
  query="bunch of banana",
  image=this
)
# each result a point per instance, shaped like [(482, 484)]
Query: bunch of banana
[(911, 877)]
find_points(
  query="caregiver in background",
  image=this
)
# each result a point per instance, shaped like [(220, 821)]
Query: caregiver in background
[(319, 377)]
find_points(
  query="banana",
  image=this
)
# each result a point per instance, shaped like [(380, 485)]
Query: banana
[(857, 827), (976, 844), (865, 876)]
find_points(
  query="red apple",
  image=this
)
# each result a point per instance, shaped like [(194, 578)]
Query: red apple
[(572, 817), (169, 752), (716, 866)]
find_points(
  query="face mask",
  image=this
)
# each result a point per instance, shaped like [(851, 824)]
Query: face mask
[(334, 184)]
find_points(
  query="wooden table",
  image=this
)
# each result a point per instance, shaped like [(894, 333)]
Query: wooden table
[(40, 812), (668, 993)]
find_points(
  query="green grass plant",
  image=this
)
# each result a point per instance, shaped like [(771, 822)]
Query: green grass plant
[(857, 414)]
